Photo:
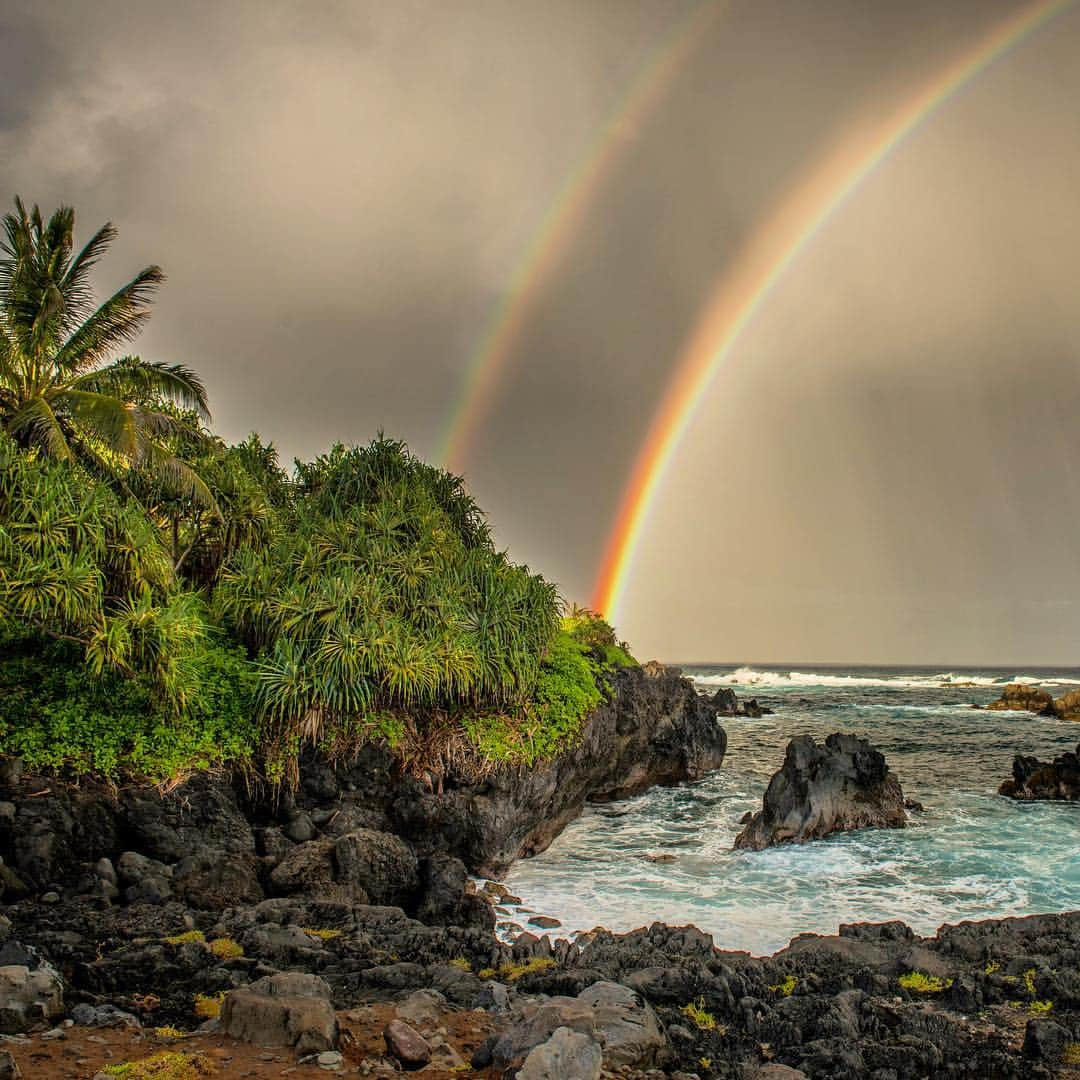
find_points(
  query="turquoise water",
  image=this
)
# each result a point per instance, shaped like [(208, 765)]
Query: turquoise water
[(972, 854)]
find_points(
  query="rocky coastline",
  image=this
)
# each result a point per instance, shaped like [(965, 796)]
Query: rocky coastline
[(337, 930)]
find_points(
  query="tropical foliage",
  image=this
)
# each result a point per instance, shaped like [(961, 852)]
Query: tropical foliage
[(168, 601)]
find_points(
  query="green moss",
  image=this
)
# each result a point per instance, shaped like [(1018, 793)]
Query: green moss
[(918, 982)]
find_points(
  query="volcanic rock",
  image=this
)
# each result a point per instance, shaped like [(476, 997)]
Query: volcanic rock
[(289, 1009), (1036, 780), (840, 786)]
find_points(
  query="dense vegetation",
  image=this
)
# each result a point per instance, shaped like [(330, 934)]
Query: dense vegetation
[(170, 602)]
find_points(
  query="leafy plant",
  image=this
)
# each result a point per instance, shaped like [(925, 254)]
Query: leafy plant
[(699, 1016), (918, 982), (786, 986)]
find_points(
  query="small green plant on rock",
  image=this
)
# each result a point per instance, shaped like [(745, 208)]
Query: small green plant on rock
[(461, 964), (208, 1006), (785, 986), (1029, 981), (487, 973), (918, 982), (167, 1065), (992, 968), (1071, 1054), (699, 1016), (1040, 1008), (187, 938), (322, 935), (226, 949)]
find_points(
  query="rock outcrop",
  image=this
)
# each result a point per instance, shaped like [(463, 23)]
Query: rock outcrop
[(1022, 697), (840, 786), (290, 1009), (361, 830), (1032, 779)]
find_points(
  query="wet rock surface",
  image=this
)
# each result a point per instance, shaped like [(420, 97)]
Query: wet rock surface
[(1057, 780), (821, 789)]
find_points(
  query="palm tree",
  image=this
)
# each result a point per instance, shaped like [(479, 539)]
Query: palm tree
[(62, 389)]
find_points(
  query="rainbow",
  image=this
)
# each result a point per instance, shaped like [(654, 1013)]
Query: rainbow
[(752, 275), (560, 224)]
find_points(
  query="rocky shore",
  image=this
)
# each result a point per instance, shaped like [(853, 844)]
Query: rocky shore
[(336, 930), (1057, 780)]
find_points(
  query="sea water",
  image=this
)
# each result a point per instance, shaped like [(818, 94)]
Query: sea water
[(971, 854)]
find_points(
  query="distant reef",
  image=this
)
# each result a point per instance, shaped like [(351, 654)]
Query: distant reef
[(1021, 697)]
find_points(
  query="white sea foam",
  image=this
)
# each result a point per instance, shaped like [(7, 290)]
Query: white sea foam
[(746, 676)]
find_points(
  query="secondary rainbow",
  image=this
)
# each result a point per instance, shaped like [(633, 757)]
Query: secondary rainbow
[(560, 225), (762, 262)]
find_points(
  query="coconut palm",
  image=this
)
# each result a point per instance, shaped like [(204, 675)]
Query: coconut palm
[(62, 388)]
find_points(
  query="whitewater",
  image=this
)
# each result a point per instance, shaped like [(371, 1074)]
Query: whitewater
[(667, 855)]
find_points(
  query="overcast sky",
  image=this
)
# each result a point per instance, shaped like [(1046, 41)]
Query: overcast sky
[(888, 468)]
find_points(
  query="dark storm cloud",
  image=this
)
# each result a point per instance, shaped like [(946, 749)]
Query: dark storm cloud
[(340, 193)]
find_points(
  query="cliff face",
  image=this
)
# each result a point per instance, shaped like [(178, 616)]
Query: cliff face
[(359, 831), (654, 730)]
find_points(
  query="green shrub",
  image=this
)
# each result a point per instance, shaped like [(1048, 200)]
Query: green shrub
[(55, 714)]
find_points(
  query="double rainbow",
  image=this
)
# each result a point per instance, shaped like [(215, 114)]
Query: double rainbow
[(754, 273), (560, 225)]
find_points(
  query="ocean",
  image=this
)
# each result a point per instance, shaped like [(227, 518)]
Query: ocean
[(971, 854)]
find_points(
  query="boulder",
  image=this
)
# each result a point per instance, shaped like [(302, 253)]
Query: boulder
[(30, 993), (9, 1070), (215, 880), (407, 1045), (1023, 698), (1032, 779), (289, 1009), (627, 1025), (307, 868), (844, 784), (566, 1055), (444, 899), (378, 864)]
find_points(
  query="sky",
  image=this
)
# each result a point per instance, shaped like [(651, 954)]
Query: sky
[(887, 467)]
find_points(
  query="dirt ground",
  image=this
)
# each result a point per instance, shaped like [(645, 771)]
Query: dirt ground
[(83, 1052)]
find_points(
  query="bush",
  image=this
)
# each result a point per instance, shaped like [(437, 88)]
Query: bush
[(54, 715)]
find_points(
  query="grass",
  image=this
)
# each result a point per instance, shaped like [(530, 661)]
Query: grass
[(1071, 1056), (226, 949), (487, 973), (699, 1016), (513, 972), (167, 1065), (461, 964), (170, 1032), (786, 986), (918, 982), (208, 1006), (992, 968)]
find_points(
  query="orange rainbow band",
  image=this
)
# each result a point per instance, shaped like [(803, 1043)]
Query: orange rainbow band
[(559, 226), (762, 262)]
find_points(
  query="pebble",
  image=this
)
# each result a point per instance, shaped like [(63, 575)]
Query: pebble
[(329, 1059), (50, 898)]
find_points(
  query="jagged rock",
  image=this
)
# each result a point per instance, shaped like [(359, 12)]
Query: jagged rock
[(289, 1009), (445, 899), (1068, 705), (378, 864), (1033, 779), (1023, 698), (1045, 1040), (842, 785), (532, 1024), (30, 992), (566, 1055), (407, 1045)]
